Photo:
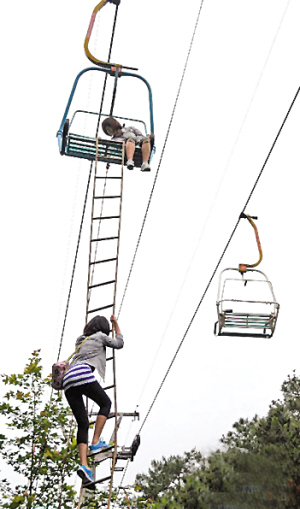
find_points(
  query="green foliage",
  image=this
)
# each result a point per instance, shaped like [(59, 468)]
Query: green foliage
[(259, 466), (166, 475), (40, 445)]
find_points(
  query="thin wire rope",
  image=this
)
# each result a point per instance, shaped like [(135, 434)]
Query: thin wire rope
[(220, 259), (75, 260), (123, 476), (108, 60), (91, 237), (85, 200), (90, 277), (77, 181), (114, 456), (213, 202), (88, 294), (98, 229), (162, 154)]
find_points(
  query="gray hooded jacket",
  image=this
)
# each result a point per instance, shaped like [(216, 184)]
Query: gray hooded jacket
[(93, 351)]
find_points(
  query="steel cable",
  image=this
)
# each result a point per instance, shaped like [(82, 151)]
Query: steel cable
[(220, 259)]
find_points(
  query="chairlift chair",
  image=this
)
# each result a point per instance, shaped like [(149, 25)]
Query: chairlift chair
[(245, 316), (109, 151), (246, 303)]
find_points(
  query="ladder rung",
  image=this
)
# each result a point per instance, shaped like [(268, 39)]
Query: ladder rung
[(109, 358), (108, 387), (118, 469), (119, 414), (100, 309), (109, 178), (96, 482), (104, 261), (105, 217), (102, 284), (104, 238), (105, 197)]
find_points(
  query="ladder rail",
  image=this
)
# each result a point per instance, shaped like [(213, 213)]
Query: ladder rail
[(114, 458), (98, 284)]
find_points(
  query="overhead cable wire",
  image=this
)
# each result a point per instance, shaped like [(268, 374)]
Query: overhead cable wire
[(91, 275), (220, 259), (213, 203), (237, 138), (75, 262), (86, 194), (162, 154)]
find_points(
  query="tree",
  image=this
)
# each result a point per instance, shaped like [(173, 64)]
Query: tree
[(166, 475), (275, 439), (258, 466), (40, 444)]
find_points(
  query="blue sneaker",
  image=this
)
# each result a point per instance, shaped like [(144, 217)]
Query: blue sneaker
[(99, 447), (85, 474)]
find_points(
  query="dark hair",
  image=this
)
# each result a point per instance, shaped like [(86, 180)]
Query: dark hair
[(97, 324), (111, 123)]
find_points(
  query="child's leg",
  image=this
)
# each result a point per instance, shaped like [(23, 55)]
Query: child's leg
[(130, 148), (95, 392), (146, 149), (75, 400), (100, 421)]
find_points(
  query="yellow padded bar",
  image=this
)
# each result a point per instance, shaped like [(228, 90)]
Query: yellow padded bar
[(93, 59)]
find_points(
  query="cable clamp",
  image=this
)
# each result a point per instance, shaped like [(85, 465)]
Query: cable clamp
[(116, 70)]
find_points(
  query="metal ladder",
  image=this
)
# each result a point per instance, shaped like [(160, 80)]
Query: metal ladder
[(105, 230)]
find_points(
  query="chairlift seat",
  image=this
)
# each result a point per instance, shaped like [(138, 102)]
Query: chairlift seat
[(109, 151)]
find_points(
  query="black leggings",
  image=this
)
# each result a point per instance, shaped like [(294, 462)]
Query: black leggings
[(93, 391)]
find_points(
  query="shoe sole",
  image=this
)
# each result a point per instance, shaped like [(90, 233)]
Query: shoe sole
[(85, 479), (104, 449), (89, 486)]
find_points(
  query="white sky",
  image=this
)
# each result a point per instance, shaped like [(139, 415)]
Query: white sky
[(241, 78)]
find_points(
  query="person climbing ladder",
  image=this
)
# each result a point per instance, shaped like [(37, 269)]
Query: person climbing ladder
[(80, 380)]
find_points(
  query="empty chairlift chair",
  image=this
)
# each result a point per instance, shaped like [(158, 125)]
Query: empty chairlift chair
[(246, 303)]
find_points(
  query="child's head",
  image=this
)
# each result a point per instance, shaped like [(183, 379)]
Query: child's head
[(97, 324), (111, 126)]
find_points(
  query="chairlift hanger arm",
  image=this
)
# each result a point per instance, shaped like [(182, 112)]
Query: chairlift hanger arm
[(244, 266), (89, 55)]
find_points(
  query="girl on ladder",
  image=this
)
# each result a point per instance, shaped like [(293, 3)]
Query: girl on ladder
[(80, 381)]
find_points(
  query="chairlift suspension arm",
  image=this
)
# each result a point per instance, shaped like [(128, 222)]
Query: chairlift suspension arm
[(89, 55), (243, 266)]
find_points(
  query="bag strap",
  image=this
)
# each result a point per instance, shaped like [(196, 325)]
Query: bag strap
[(77, 349)]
